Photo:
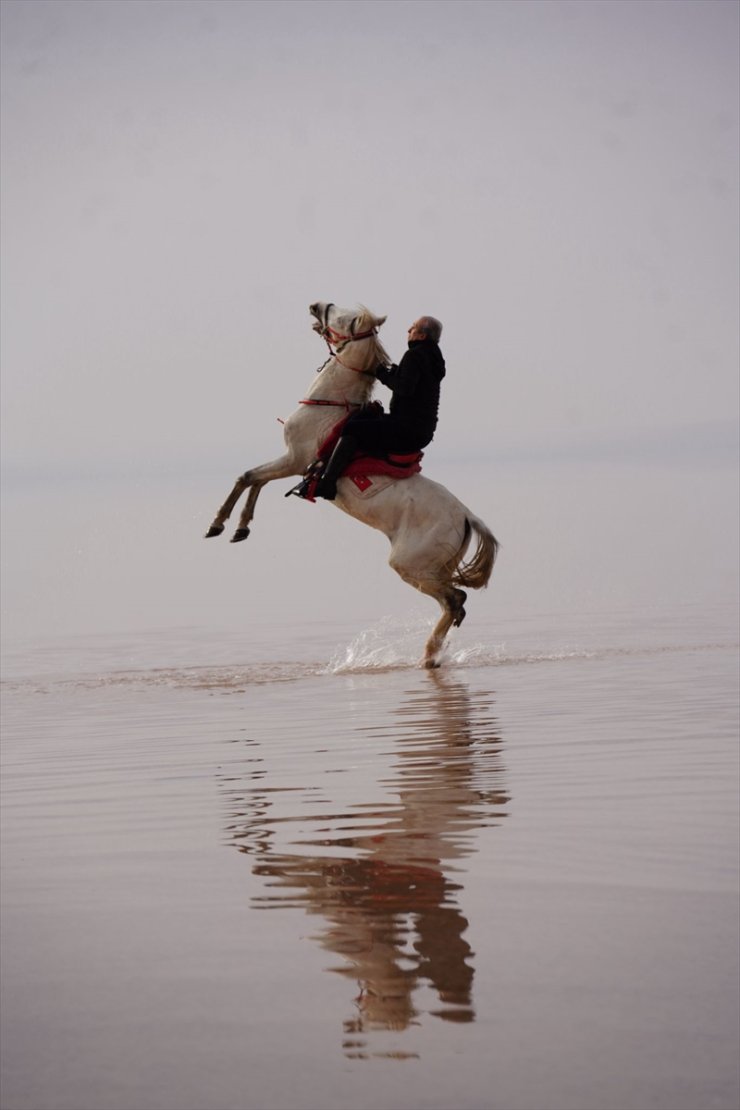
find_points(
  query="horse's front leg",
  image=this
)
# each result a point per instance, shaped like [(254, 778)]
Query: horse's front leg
[(245, 519), (226, 509), (253, 480)]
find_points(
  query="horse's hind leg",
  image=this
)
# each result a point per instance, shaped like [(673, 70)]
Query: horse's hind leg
[(452, 602), (458, 605)]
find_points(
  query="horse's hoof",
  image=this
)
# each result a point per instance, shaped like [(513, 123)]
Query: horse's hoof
[(214, 530), (432, 664), (459, 617), (239, 535)]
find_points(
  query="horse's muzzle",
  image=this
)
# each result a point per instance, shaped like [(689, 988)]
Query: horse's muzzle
[(320, 311)]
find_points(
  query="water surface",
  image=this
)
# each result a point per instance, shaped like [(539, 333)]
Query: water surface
[(326, 878)]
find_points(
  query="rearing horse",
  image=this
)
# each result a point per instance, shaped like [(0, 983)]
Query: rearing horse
[(428, 528)]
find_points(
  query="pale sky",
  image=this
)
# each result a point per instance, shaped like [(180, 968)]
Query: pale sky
[(557, 181)]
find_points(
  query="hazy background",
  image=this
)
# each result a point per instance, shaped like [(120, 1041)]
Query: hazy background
[(557, 181)]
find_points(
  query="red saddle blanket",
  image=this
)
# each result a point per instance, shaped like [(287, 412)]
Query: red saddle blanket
[(395, 466)]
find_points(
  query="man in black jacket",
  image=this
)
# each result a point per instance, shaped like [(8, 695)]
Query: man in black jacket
[(412, 419)]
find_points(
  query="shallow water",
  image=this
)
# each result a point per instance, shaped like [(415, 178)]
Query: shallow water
[(305, 873)]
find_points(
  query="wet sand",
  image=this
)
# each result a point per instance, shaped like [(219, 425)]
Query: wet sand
[(329, 879)]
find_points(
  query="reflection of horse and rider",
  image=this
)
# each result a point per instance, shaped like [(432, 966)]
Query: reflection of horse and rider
[(429, 529), (391, 905)]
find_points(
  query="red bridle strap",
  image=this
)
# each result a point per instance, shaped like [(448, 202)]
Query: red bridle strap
[(337, 335)]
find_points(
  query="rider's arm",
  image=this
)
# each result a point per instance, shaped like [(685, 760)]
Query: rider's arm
[(401, 379)]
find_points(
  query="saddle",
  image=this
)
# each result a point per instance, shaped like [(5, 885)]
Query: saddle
[(360, 469)]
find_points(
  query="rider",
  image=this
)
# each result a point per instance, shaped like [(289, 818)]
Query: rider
[(410, 424)]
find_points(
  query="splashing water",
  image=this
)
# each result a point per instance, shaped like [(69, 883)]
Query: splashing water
[(395, 643), (392, 642)]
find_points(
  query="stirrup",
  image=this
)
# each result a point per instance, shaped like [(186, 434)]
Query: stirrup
[(302, 489), (307, 484)]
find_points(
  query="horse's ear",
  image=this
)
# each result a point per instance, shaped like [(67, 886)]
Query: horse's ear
[(380, 320)]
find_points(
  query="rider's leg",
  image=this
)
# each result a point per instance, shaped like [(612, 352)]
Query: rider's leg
[(376, 436), (341, 457)]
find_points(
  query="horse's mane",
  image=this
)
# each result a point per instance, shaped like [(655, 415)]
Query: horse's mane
[(367, 320)]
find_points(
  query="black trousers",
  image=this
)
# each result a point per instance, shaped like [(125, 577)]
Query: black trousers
[(386, 435)]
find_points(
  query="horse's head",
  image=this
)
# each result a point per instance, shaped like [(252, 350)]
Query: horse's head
[(343, 325)]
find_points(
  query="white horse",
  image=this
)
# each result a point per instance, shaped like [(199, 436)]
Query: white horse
[(428, 528)]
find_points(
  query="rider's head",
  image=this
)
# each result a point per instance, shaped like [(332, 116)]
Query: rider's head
[(426, 327)]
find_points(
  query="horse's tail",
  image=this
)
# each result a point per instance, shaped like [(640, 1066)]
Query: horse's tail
[(475, 573)]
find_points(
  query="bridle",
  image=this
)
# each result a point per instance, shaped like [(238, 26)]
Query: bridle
[(346, 339), (330, 335)]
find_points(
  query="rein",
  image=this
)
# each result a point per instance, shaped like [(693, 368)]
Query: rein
[(356, 369)]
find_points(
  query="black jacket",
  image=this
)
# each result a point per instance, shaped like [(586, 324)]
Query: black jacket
[(415, 384)]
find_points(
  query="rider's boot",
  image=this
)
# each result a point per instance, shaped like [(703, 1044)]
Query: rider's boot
[(341, 457)]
